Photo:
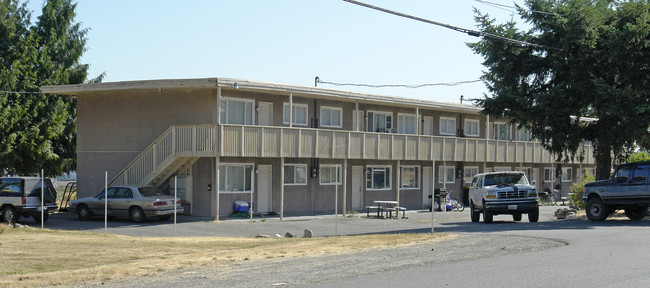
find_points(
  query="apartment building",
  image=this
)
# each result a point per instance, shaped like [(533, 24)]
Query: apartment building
[(292, 149)]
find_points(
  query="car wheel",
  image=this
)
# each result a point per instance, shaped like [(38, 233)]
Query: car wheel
[(473, 213), (83, 212), (487, 215), (516, 217), (596, 209), (37, 217), (9, 215), (164, 217), (533, 215), (636, 213), (136, 214)]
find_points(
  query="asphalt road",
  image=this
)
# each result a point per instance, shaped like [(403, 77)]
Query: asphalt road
[(550, 253)]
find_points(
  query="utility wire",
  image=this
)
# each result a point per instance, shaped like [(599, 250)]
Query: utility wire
[(459, 29), (396, 85), (506, 7)]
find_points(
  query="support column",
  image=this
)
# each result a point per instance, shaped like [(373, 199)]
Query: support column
[(219, 105), (398, 181), (356, 115), (417, 120), (345, 185), (282, 189), (433, 191), (290, 110), (216, 188)]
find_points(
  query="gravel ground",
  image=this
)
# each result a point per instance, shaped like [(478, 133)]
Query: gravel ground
[(299, 272)]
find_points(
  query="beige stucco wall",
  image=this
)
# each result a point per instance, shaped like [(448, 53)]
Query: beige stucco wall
[(114, 127)]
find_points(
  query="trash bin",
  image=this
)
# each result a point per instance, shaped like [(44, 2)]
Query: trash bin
[(440, 196), (240, 206)]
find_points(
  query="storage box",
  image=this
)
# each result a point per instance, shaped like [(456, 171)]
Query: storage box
[(241, 206)]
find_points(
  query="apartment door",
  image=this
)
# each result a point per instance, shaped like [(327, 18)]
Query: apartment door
[(427, 127), (427, 182), (265, 114), (264, 183), (357, 187)]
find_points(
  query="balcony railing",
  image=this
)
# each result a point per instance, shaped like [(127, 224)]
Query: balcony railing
[(273, 142)]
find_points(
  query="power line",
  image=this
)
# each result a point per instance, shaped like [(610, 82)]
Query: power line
[(395, 85), (458, 29), (510, 8)]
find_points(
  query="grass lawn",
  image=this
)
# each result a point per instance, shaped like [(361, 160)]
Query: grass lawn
[(42, 257)]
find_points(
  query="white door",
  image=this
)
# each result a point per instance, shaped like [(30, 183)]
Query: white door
[(427, 128), (265, 114), (357, 187), (264, 189), (427, 175)]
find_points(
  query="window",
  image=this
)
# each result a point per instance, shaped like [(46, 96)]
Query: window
[(530, 173), (295, 174), (11, 187), (235, 178), (501, 131), (623, 171), (469, 172), (331, 116), (447, 173), (406, 124), (523, 134), (567, 174), (447, 126), (641, 173), (299, 114), (330, 174), (378, 177), (381, 122), (409, 177), (237, 111), (548, 174), (471, 128)]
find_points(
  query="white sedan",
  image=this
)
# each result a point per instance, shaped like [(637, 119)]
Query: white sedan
[(136, 203)]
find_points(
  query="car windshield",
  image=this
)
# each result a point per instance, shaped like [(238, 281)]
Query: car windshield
[(505, 179), (150, 191)]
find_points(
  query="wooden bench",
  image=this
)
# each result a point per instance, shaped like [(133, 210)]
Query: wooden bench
[(397, 209), (371, 207)]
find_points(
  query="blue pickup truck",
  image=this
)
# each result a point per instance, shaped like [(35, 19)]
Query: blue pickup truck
[(628, 188)]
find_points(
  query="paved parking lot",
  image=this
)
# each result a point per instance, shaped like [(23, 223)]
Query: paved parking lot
[(419, 221)]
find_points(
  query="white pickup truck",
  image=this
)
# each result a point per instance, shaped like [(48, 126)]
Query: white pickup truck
[(502, 193)]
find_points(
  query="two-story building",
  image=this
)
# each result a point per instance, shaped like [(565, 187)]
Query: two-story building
[(289, 149)]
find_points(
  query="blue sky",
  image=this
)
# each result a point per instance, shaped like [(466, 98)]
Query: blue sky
[(288, 42)]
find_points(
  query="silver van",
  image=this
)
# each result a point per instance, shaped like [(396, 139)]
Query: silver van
[(21, 196)]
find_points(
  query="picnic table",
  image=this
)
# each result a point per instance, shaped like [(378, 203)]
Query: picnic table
[(386, 206)]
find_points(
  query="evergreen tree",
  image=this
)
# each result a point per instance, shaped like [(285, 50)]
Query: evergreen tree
[(38, 131), (591, 58)]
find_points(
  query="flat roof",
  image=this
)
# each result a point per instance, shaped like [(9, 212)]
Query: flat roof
[(248, 85)]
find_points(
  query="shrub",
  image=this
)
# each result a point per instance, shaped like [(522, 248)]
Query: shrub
[(578, 190)]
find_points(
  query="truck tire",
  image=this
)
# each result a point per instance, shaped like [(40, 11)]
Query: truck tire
[(596, 209), (487, 215), (636, 213), (533, 215), (516, 217), (474, 214), (9, 215)]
